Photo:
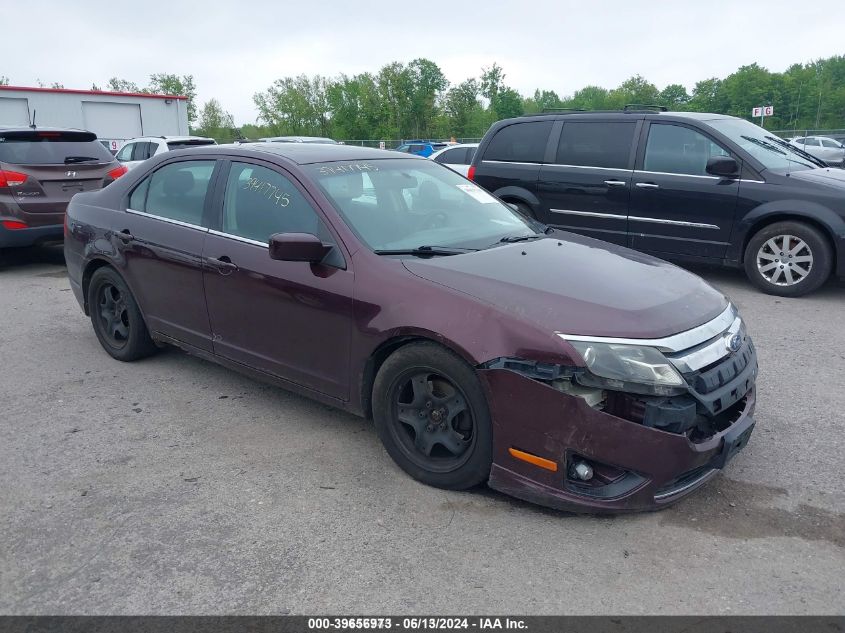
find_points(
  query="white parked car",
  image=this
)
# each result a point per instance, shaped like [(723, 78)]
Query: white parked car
[(827, 149), (137, 150), (456, 157)]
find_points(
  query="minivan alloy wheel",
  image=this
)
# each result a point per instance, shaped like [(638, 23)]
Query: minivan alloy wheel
[(784, 260)]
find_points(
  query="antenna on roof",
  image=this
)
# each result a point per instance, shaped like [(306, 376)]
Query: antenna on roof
[(32, 122)]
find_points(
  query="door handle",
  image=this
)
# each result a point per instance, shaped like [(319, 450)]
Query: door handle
[(647, 185), (125, 236), (223, 264), (615, 183)]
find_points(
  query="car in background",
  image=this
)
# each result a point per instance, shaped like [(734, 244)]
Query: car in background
[(137, 150), (824, 148), (420, 148), (299, 139), (684, 186), (560, 369), (40, 171), (457, 157)]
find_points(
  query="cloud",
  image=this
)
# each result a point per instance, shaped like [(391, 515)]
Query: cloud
[(237, 49)]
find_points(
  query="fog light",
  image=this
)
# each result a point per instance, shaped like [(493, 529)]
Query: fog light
[(582, 471)]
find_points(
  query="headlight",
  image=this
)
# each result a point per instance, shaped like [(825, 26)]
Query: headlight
[(627, 368)]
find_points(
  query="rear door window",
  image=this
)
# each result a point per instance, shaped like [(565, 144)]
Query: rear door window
[(455, 156), (810, 142), (596, 144), (520, 142), (260, 202), (674, 149), (177, 191), (51, 148), (831, 144)]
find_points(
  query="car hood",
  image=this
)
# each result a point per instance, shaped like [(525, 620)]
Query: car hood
[(578, 285), (824, 176)]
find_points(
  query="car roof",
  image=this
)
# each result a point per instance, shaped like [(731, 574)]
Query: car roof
[(454, 146), (307, 153), (299, 139), (169, 139), (621, 115)]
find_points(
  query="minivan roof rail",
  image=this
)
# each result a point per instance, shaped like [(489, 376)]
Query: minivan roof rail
[(644, 106), (564, 110)]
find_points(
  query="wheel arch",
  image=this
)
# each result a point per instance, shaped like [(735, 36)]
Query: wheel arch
[(790, 216), (90, 268), (386, 349), (518, 194)]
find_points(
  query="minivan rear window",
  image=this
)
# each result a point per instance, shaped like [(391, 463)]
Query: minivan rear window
[(596, 143), (520, 142), (51, 148)]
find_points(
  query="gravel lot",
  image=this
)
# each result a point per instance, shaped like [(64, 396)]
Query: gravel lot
[(175, 486)]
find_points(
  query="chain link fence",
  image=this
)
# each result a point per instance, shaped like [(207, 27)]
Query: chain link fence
[(808, 132), (394, 143)]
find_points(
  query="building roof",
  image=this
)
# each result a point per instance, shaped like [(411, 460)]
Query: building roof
[(104, 93)]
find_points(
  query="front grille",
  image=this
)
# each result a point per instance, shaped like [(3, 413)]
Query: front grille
[(722, 372)]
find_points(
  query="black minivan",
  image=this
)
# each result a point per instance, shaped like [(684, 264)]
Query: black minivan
[(681, 185)]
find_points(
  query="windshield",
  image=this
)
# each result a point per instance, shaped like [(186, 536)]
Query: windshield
[(397, 204), (773, 152)]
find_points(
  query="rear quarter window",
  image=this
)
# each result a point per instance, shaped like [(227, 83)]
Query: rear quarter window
[(520, 142)]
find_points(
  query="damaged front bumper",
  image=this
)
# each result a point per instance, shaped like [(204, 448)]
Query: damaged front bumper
[(632, 452)]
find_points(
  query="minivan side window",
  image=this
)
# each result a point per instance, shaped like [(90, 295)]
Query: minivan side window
[(596, 144), (832, 144), (176, 191), (260, 202), (674, 149), (520, 142)]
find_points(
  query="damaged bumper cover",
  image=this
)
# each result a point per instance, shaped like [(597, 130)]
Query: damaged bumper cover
[(647, 468), (572, 449)]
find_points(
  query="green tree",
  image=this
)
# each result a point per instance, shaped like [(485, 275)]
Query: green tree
[(4, 80), (674, 97), (122, 85), (635, 90), (213, 119), (169, 84), (463, 109)]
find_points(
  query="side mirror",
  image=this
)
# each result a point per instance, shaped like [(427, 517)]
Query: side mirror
[(722, 166), (298, 247)]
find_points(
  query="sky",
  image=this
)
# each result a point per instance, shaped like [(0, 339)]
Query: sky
[(235, 49)]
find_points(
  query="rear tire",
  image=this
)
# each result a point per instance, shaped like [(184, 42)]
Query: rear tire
[(431, 414), (788, 259), (116, 318)]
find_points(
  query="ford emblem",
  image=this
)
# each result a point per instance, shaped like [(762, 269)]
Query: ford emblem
[(734, 343)]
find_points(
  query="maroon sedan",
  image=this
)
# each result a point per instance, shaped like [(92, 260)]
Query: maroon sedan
[(486, 348)]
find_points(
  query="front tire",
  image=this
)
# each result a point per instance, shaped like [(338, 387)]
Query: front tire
[(788, 259), (431, 414), (116, 318)]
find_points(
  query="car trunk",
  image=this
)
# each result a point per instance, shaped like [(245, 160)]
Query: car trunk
[(56, 165)]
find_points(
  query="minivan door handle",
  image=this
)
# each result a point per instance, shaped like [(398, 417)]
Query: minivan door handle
[(647, 185), (222, 265), (615, 183)]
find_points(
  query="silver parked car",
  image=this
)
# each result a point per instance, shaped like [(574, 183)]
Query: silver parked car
[(827, 149), (457, 157)]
